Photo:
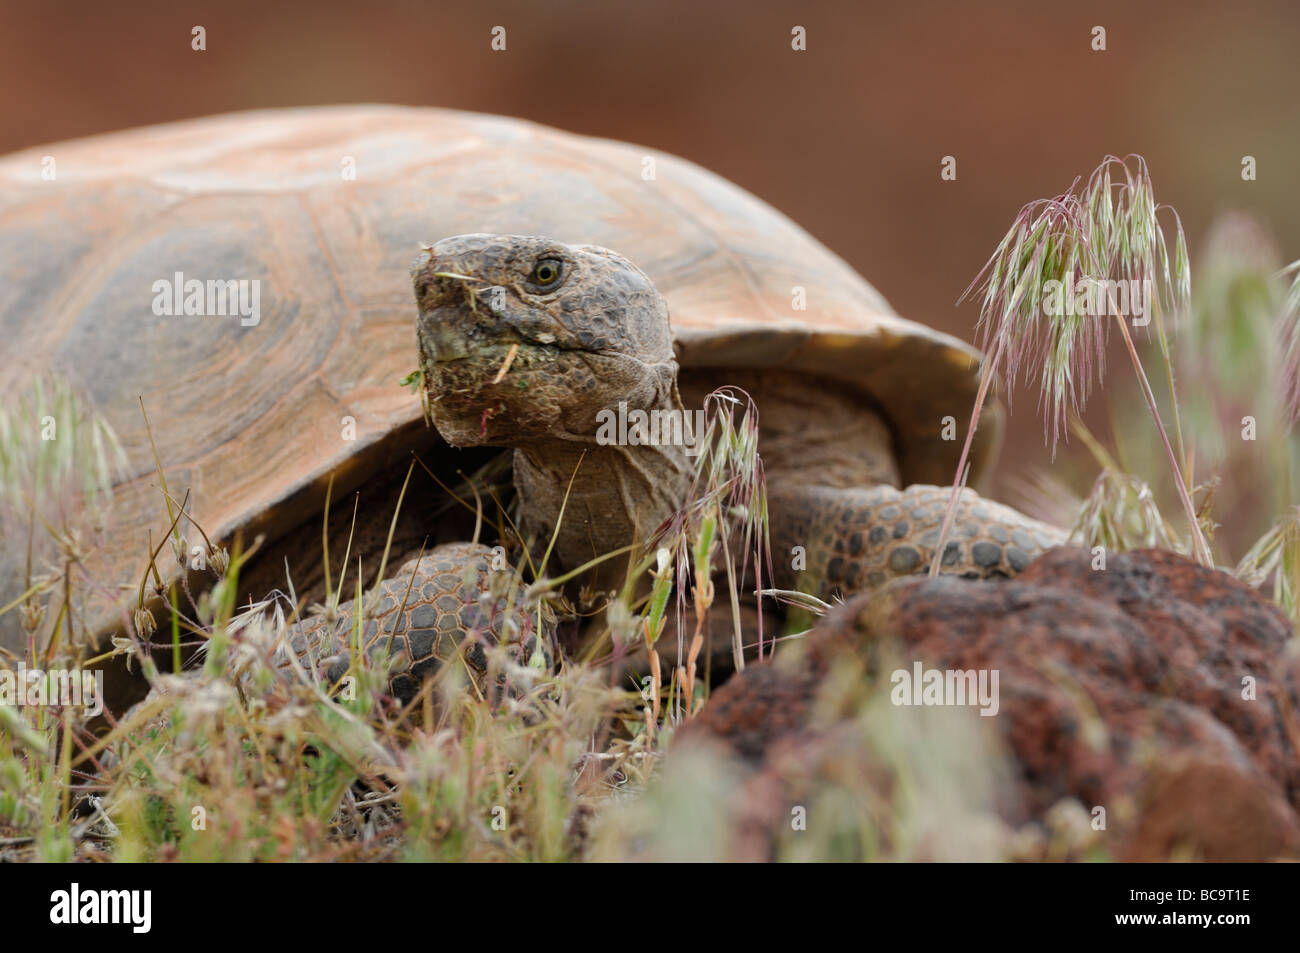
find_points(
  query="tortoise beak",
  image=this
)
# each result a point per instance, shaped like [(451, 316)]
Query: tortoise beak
[(444, 343)]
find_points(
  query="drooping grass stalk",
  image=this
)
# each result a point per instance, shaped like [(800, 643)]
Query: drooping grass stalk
[(1199, 545), (1026, 257), (1090, 238), (986, 378), (1291, 342), (728, 498), (1138, 252)]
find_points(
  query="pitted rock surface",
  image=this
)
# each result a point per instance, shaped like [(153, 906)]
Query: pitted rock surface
[(1120, 688)]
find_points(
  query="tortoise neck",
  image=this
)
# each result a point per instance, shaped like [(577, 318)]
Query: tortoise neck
[(606, 489), (810, 431)]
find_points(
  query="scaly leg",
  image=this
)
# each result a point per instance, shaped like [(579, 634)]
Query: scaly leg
[(448, 606), (857, 539)]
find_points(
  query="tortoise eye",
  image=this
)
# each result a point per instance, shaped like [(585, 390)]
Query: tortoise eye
[(546, 272)]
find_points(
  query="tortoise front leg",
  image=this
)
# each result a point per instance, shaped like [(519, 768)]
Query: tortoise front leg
[(859, 538), (449, 607)]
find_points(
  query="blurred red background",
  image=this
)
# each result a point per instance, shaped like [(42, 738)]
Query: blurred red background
[(846, 137)]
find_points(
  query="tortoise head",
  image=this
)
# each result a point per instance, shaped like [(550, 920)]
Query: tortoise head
[(524, 339)]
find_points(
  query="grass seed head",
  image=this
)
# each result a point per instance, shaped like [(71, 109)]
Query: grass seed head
[(1106, 230)]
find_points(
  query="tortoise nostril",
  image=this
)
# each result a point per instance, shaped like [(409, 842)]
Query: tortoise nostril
[(438, 286)]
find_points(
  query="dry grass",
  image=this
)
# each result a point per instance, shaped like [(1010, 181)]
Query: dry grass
[(1240, 446), (1108, 231), (250, 757)]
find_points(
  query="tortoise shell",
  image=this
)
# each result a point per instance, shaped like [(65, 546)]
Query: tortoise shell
[(325, 208)]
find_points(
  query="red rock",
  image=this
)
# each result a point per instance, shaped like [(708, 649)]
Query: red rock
[(1122, 689)]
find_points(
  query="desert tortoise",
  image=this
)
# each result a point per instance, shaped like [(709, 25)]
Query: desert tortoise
[(324, 207)]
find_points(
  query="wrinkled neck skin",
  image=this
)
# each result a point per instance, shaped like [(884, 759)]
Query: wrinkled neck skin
[(616, 495)]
